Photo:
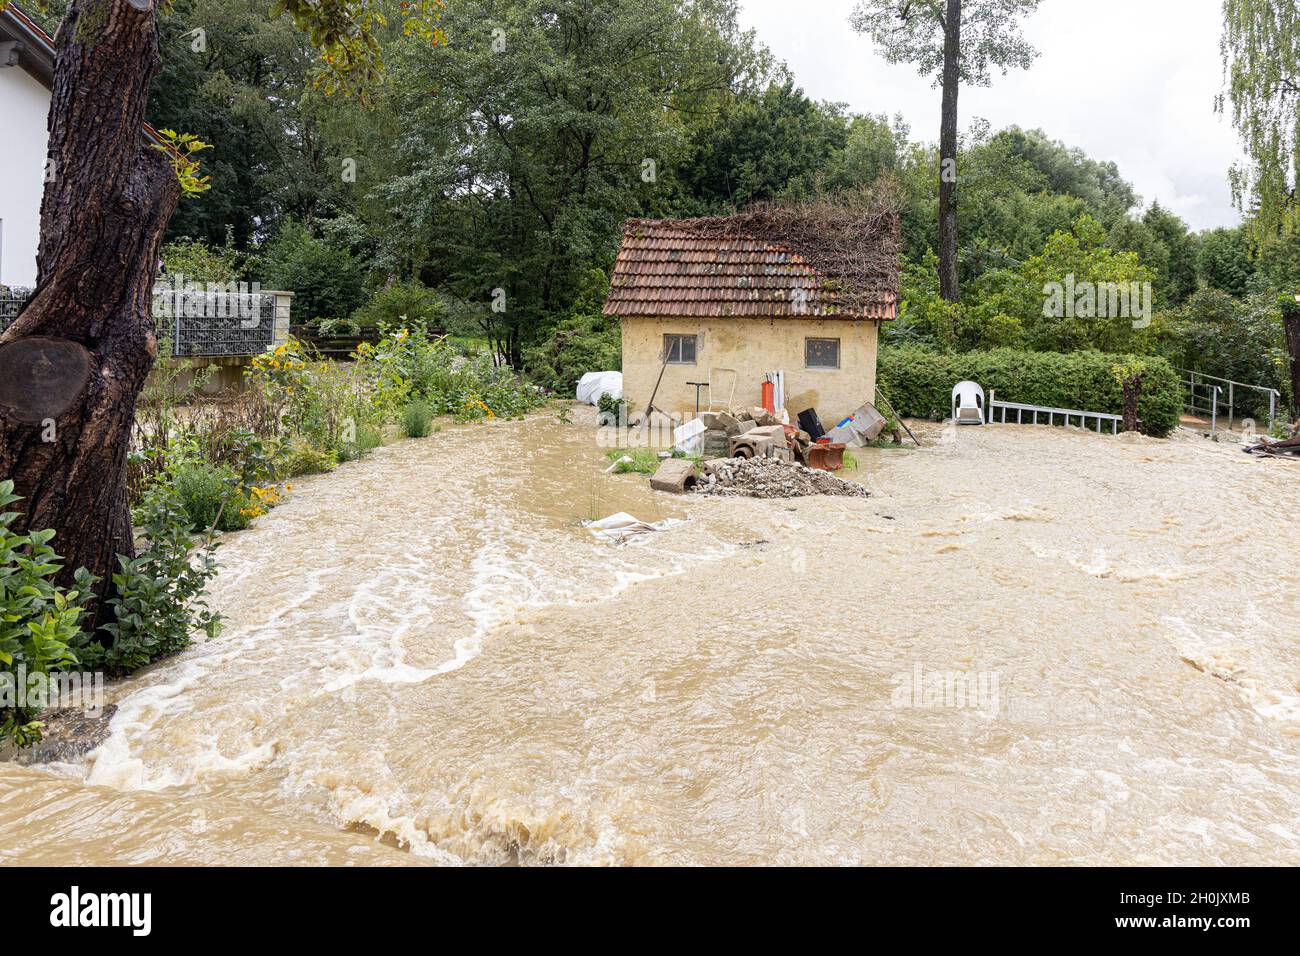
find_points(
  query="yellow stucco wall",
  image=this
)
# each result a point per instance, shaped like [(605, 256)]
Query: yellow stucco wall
[(752, 347)]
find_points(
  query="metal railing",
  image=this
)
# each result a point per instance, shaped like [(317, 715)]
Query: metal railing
[(195, 323), (1035, 411), (1205, 396)]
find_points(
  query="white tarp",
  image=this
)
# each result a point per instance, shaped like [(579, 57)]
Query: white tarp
[(595, 384), (688, 439), (622, 526)]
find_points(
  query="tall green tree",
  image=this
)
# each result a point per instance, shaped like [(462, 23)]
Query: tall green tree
[(553, 122), (84, 342), (873, 145), (1261, 56), (762, 146), (956, 42), (1069, 171), (1224, 260), (1180, 277)]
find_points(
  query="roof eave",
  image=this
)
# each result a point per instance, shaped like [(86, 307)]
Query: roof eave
[(36, 56), (35, 47), (614, 313)]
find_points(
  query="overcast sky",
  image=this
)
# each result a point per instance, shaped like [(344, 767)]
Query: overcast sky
[(1132, 81)]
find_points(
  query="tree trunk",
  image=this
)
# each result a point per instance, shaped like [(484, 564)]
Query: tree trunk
[(1132, 395), (1291, 322), (948, 281), (108, 196)]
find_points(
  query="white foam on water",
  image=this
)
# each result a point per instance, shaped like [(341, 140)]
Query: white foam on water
[(516, 571), (1222, 654)]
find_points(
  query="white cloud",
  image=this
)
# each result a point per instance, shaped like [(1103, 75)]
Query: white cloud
[(1130, 81)]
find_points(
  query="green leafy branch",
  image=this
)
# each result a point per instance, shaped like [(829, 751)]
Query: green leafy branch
[(180, 149), (344, 31)]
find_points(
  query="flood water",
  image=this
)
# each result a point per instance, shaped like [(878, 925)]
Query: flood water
[(428, 660)]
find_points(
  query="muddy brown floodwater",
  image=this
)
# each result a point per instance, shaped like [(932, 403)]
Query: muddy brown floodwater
[(1030, 645)]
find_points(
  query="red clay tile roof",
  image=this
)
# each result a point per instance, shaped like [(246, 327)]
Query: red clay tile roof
[(664, 269)]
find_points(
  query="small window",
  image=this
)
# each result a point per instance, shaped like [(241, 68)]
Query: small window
[(821, 353), (680, 349)]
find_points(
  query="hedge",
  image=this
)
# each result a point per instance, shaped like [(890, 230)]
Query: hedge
[(919, 381)]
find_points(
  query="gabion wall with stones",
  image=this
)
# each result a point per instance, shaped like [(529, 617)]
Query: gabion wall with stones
[(220, 330)]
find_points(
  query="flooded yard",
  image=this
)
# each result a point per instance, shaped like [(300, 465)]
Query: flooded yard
[(1030, 645)]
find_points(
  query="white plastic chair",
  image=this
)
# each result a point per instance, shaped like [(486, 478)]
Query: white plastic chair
[(717, 378), (968, 404)]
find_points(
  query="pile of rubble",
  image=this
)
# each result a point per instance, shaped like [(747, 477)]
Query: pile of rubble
[(770, 478), (754, 453)]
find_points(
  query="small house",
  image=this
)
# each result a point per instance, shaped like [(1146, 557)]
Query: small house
[(26, 72), (715, 307), (26, 78)]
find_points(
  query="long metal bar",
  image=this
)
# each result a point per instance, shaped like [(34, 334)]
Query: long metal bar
[(890, 408), (1067, 412), (995, 406)]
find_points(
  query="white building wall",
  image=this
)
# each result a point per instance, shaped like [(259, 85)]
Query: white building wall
[(24, 105)]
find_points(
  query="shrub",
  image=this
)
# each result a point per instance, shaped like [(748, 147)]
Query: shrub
[(322, 403), (325, 279), (579, 344), (613, 411), (40, 623), (210, 496), (158, 602), (404, 304), (1238, 339), (368, 438), (199, 262), (416, 419), (302, 458), (919, 382), (407, 365)]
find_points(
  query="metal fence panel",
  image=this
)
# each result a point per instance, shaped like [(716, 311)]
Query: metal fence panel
[(225, 323), (10, 302), (196, 323)]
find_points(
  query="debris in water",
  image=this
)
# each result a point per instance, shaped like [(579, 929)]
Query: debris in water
[(620, 527), (1267, 447), (676, 475), (68, 735), (825, 456), (771, 478)]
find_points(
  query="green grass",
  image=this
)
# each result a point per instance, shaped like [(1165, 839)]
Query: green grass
[(469, 345), (416, 419), (850, 460), (645, 461), (887, 443)]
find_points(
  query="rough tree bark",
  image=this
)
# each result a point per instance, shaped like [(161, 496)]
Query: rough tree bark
[(948, 281), (1132, 387), (108, 197), (1291, 322)]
